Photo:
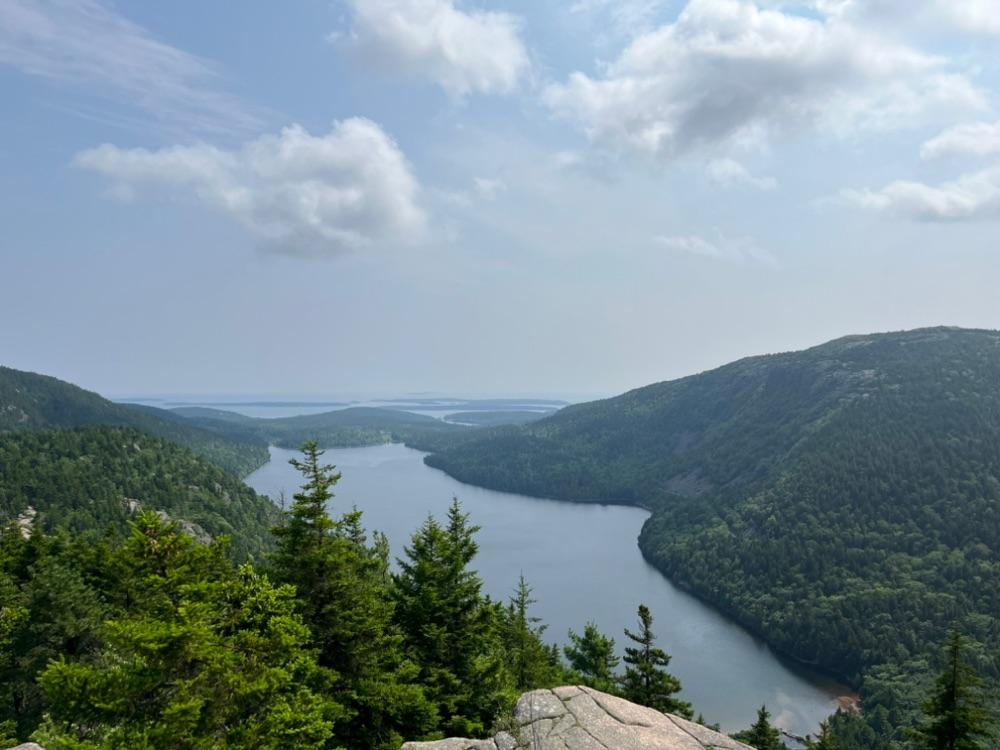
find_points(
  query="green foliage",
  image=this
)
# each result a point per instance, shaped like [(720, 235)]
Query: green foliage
[(450, 628), (825, 740), (155, 643), (30, 402), (762, 735), (958, 715), (592, 659), (842, 501), (344, 594), (646, 680), (531, 662), (343, 428), (495, 418), (83, 480)]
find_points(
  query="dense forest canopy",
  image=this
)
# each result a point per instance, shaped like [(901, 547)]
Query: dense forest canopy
[(843, 501), (29, 401), (88, 480), (351, 427)]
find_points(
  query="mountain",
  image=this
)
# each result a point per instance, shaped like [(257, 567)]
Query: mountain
[(842, 501), (29, 401), (344, 428), (89, 479)]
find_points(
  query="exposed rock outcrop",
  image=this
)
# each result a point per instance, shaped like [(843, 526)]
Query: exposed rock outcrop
[(580, 718), (26, 522)]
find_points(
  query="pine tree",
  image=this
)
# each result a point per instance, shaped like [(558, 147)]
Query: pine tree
[(344, 594), (646, 680), (592, 658), (761, 735), (957, 716), (451, 629)]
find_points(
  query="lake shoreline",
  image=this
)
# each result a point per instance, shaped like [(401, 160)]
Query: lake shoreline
[(590, 570)]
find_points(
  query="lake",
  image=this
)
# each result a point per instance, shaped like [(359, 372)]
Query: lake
[(584, 565)]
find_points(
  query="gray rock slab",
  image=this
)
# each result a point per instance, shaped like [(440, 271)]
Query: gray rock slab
[(580, 718)]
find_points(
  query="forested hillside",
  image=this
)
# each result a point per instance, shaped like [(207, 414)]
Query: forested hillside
[(91, 479), (843, 501), (29, 401), (352, 427)]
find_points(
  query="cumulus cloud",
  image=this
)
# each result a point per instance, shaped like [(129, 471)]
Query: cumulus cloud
[(729, 173), (462, 51), (623, 18), (977, 139), (729, 72), (972, 196), (297, 193), (723, 248), (981, 17), (86, 42)]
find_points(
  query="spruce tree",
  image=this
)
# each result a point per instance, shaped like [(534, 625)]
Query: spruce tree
[(824, 740), (592, 658), (761, 735), (532, 664), (204, 657), (344, 594), (957, 716), (646, 680), (451, 629)]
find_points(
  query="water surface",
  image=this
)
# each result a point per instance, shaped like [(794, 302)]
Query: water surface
[(584, 564)]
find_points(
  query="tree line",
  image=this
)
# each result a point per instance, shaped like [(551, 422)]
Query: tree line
[(159, 641)]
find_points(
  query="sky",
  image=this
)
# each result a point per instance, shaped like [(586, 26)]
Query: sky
[(563, 197)]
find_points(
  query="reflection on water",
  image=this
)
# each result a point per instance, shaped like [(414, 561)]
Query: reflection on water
[(584, 564)]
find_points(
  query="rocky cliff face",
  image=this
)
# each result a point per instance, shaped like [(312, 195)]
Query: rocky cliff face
[(579, 718)]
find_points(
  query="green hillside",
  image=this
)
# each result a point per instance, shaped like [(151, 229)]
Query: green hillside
[(89, 479), (29, 401), (496, 418), (344, 428), (843, 501)]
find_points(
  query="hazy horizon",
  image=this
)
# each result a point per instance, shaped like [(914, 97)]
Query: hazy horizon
[(502, 197)]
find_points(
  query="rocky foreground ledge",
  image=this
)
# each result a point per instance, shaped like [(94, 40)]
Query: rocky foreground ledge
[(580, 718)]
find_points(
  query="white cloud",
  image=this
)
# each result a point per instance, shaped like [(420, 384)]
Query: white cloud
[(975, 16), (973, 139), (729, 173), (462, 51), (728, 72), (981, 17), (624, 18), (724, 248), (970, 197), (488, 187), (86, 42), (297, 193)]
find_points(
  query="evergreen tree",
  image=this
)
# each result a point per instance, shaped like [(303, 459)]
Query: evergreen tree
[(206, 657), (824, 740), (646, 680), (957, 717), (592, 658), (451, 629), (532, 664), (761, 735), (344, 593)]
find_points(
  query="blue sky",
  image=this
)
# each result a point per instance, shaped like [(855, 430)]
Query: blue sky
[(387, 196)]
